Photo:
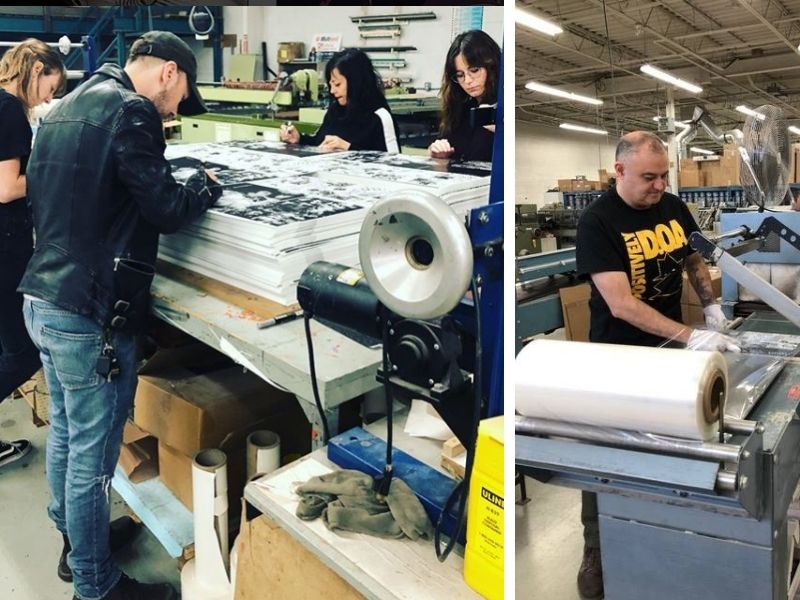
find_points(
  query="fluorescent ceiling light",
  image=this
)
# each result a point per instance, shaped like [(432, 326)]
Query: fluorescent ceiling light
[(794, 130), (582, 128), (700, 150), (527, 19), (679, 124), (546, 89), (664, 76), (750, 112)]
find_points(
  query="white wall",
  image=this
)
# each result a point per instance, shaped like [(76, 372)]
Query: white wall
[(275, 24), (546, 154)]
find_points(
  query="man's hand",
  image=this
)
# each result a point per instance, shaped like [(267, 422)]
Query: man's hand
[(715, 318), (212, 176), (712, 341), (440, 149), (334, 142)]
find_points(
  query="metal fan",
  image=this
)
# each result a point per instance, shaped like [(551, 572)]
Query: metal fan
[(764, 157)]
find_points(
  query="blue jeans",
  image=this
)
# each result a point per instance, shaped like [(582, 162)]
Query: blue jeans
[(87, 416)]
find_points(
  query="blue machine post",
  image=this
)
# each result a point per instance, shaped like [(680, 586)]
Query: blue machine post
[(89, 51), (486, 233)]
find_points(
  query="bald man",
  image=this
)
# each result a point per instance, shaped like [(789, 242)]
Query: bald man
[(632, 245)]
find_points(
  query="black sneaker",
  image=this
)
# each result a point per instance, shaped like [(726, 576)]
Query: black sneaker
[(12, 451), (130, 589), (120, 532)]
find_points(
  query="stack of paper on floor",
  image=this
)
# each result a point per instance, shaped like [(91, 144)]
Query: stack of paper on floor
[(284, 207)]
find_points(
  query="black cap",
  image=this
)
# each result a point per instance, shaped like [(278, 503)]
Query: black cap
[(168, 46)]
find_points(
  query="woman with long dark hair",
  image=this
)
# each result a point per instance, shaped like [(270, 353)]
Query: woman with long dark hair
[(358, 117), (471, 78), (30, 73)]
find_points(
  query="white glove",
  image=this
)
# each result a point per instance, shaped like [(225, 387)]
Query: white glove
[(711, 341), (715, 318)]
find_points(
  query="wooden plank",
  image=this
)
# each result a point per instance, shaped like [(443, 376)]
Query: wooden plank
[(254, 307), (162, 513)]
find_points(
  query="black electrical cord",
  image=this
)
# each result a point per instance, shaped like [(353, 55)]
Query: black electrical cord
[(313, 372), (461, 491), (384, 481)]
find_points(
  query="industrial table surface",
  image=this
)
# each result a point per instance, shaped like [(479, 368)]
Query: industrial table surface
[(378, 568), (279, 355)]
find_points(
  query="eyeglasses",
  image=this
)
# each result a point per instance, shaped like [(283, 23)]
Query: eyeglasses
[(461, 76)]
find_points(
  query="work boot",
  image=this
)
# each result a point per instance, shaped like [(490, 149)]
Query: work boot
[(120, 532), (130, 589), (590, 575)]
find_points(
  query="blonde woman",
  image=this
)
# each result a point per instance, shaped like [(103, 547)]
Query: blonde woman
[(30, 73)]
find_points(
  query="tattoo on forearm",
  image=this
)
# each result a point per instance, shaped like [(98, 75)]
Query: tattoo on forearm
[(701, 281)]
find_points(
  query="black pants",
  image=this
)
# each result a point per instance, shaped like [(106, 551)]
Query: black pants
[(19, 358)]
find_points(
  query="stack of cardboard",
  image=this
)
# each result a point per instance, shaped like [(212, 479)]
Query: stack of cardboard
[(691, 307), (711, 171), (580, 185), (191, 398), (690, 174)]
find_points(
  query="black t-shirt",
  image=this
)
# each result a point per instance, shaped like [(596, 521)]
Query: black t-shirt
[(649, 246), (470, 143), (15, 142)]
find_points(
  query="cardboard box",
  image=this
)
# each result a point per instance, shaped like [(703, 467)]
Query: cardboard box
[(690, 179), (273, 565), (175, 467), (188, 405), (575, 308), (139, 459), (689, 164), (138, 455), (711, 174), (37, 396), (565, 185)]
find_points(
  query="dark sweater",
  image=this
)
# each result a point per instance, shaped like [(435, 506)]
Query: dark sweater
[(365, 133), (470, 143)]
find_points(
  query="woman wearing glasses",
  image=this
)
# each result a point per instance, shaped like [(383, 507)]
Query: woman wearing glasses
[(471, 78)]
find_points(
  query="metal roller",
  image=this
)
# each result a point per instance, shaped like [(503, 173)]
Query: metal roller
[(416, 254), (605, 436)]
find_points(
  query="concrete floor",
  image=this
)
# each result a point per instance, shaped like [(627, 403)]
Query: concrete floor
[(549, 543), (30, 545)]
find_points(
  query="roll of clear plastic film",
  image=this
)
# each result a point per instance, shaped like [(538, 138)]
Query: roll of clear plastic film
[(664, 391)]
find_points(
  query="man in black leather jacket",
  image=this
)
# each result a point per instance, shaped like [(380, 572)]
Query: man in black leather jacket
[(101, 192)]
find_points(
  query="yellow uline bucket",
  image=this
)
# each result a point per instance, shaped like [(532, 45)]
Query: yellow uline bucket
[(483, 555)]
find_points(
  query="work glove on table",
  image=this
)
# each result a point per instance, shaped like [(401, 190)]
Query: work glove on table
[(408, 510), (346, 500), (715, 318), (712, 341)]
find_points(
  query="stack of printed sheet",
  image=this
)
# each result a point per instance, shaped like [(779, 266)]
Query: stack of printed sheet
[(284, 207)]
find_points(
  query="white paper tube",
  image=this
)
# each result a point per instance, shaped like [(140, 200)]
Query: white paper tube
[(263, 452), (210, 497), (656, 390)]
